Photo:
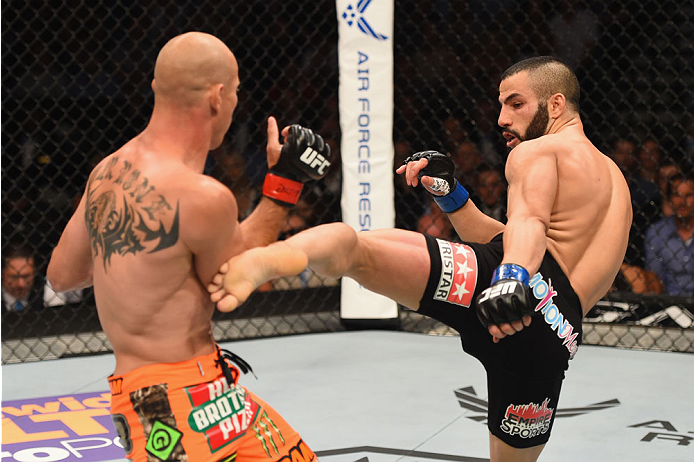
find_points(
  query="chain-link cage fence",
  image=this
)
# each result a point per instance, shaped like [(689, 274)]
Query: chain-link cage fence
[(76, 85)]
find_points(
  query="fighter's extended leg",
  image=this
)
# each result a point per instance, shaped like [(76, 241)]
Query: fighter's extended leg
[(244, 273), (394, 263)]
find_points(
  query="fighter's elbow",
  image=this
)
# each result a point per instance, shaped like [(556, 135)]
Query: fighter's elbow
[(544, 224), (63, 281), (56, 281)]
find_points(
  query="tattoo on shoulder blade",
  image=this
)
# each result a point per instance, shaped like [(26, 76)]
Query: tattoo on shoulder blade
[(119, 220)]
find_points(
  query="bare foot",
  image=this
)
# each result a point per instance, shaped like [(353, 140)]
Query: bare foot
[(244, 273)]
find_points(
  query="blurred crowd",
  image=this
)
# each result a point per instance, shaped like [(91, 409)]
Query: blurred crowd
[(78, 87)]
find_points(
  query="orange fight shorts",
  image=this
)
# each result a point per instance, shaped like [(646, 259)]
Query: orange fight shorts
[(188, 411)]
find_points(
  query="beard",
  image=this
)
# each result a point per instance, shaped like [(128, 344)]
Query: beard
[(537, 125)]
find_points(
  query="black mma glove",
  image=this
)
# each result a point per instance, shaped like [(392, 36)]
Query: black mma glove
[(508, 297), (304, 157), (441, 168)]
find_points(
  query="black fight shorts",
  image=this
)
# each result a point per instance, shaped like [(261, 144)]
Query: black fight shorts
[(525, 370)]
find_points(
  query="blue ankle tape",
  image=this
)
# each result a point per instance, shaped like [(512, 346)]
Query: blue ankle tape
[(454, 200)]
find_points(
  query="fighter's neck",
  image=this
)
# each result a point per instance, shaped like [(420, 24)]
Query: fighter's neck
[(571, 123), (177, 137)]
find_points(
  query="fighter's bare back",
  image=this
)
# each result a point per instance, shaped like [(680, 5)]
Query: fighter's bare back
[(140, 209), (591, 210)]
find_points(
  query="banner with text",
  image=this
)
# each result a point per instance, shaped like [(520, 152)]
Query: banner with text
[(365, 54), (60, 428)]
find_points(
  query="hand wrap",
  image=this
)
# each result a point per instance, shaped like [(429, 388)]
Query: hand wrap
[(441, 169)]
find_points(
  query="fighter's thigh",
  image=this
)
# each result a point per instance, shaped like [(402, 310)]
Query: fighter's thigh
[(270, 438), (394, 263)]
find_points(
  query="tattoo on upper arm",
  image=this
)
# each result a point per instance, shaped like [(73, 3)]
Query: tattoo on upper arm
[(118, 218)]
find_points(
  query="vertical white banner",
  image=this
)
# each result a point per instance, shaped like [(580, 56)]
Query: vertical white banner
[(365, 54)]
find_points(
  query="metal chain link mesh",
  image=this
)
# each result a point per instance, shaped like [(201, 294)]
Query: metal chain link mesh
[(76, 86)]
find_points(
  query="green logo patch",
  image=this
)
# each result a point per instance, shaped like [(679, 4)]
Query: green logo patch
[(162, 440)]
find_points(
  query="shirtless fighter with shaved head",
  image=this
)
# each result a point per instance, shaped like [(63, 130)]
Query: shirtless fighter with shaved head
[(150, 233), (529, 282)]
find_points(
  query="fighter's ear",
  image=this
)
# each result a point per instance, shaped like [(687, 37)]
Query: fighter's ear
[(556, 105), (215, 97)]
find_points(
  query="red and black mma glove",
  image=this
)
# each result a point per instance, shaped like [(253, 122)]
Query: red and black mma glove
[(304, 157), (507, 299), (441, 168)]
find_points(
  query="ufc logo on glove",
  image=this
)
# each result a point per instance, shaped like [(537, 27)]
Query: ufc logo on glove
[(313, 159), (496, 290)]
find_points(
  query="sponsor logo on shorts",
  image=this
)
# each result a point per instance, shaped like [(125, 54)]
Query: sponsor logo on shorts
[(116, 386), (299, 453), (162, 440), (527, 420), (544, 292), (120, 423), (458, 277), (221, 412), (264, 430)]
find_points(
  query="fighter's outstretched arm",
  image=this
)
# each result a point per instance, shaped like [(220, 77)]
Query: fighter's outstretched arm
[(472, 225), (263, 225), (469, 222), (71, 265), (304, 156)]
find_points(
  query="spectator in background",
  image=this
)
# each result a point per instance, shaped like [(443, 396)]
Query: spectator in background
[(669, 242), (295, 223), (623, 155), (230, 170), (645, 194), (19, 281), (632, 278), (466, 158), (453, 133), (324, 198), (491, 189), (645, 189), (574, 31), (410, 203), (435, 223), (688, 145), (485, 134), (665, 174)]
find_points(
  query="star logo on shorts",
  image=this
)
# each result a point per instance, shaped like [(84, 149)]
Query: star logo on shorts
[(460, 291), (458, 277), (463, 269), (461, 249)]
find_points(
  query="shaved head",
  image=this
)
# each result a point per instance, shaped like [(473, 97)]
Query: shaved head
[(548, 76), (190, 64)]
